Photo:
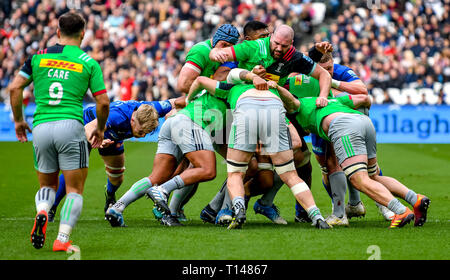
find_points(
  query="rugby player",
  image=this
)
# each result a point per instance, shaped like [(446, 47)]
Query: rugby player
[(278, 58), (126, 119), (263, 110), (259, 178), (186, 134), (198, 64), (354, 140), (61, 74), (345, 81)]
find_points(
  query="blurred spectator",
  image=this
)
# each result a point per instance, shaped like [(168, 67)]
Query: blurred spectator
[(141, 45), (398, 44)]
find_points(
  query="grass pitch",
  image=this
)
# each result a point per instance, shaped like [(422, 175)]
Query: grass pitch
[(424, 168)]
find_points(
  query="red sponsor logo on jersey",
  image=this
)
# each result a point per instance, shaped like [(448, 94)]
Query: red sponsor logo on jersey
[(61, 64)]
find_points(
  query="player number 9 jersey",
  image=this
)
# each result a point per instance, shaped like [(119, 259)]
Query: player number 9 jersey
[(62, 74)]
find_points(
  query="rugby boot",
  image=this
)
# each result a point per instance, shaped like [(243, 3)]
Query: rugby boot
[(401, 220), (271, 212), (238, 220), (420, 210), (39, 230)]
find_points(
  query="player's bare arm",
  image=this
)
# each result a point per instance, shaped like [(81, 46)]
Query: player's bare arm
[(360, 101), (199, 84), (186, 78), (324, 79), (221, 73), (238, 75), (16, 90), (290, 102), (221, 55), (353, 87), (102, 110)]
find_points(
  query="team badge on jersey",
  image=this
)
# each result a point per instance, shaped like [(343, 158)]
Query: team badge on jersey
[(61, 64), (298, 80)]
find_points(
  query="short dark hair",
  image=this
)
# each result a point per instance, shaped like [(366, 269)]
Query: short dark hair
[(252, 26), (71, 24)]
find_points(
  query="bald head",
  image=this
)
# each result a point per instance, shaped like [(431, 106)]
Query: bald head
[(281, 41), (284, 31)]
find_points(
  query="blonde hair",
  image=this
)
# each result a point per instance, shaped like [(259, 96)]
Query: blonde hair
[(147, 117), (326, 57)]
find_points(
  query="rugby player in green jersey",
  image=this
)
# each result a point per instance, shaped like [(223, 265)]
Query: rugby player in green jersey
[(354, 140), (197, 59), (197, 63), (259, 177), (277, 55), (61, 74), (258, 116), (279, 58)]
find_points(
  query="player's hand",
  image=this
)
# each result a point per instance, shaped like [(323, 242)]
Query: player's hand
[(218, 55), (321, 102), (106, 143), (96, 138), (260, 83), (272, 84), (259, 70), (179, 103), (324, 47), (21, 131)]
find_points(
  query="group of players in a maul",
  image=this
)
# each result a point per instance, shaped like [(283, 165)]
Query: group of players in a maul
[(251, 102)]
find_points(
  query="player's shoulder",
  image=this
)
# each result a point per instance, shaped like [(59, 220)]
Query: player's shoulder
[(295, 55), (344, 72), (204, 46)]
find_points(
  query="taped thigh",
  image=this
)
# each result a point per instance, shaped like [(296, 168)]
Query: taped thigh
[(372, 169), (285, 167), (353, 168), (236, 166)]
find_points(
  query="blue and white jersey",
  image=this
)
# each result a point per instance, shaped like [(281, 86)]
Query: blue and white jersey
[(344, 73), (118, 125)]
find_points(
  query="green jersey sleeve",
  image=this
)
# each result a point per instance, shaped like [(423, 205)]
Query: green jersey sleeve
[(198, 55), (96, 82), (347, 101), (252, 53)]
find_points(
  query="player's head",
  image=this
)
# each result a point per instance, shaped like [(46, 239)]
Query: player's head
[(71, 25), (225, 36), (254, 30), (326, 62), (144, 120), (281, 41)]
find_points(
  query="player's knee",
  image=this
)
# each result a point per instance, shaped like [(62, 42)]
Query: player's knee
[(208, 173)]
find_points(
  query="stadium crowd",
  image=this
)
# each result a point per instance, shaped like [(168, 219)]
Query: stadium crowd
[(141, 45)]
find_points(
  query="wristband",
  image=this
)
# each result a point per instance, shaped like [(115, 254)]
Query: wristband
[(335, 83)]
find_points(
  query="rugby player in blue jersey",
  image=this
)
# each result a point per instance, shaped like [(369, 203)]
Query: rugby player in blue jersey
[(127, 119)]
